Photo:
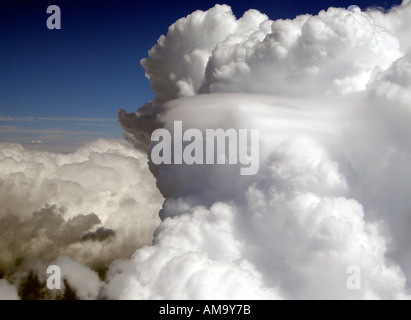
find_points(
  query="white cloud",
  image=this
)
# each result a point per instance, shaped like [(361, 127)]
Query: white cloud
[(95, 205), (7, 291), (334, 160), (336, 51), (84, 281), (298, 223), (177, 63)]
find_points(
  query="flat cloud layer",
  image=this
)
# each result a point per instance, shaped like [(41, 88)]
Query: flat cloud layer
[(330, 95)]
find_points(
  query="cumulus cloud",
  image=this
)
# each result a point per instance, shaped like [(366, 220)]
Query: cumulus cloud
[(330, 96), (84, 281), (177, 63), (306, 56), (94, 205), (7, 291), (203, 261), (336, 51), (297, 222)]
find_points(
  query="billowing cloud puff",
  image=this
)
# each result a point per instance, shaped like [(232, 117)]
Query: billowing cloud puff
[(7, 291), (309, 55), (396, 21), (203, 261), (177, 63), (337, 51)]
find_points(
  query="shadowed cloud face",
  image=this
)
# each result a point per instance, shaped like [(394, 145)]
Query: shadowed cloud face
[(81, 204)]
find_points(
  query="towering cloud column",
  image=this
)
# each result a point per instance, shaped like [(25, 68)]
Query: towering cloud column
[(325, 216)]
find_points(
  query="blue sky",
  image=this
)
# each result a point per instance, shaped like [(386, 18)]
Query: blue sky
[(64, 87)]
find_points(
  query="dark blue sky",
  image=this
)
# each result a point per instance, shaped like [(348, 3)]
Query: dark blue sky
[(90, 68)]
